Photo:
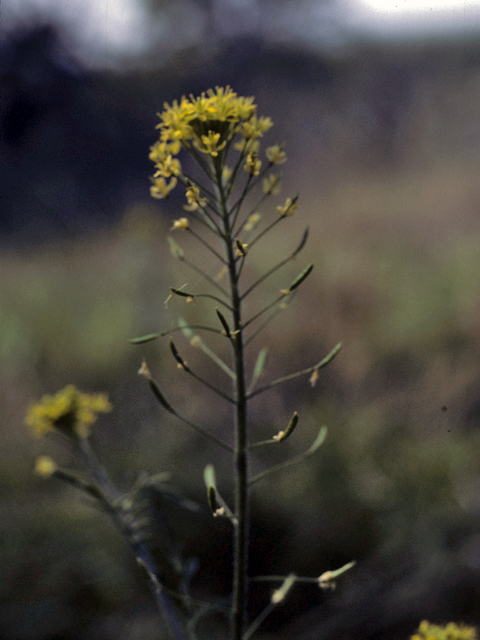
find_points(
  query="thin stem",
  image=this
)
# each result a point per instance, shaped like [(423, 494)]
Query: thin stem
[(253, 210), (265, 276), (166, 405), (201, 214), (258, 620), (183, 365), (208, 222), (202, 187), (266, 230), (240, 581), (205, 244), (323, 363), (264, 310), (193, 296), (237, 207), (198, 342), (292, 256), (200, 158), (267, 321), (282, 579), (251, 184), (204, 275), (242, 262), (319, 440), (241, 158), (213, 356)]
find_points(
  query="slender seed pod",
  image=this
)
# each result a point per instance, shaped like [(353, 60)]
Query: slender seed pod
[(299, 279), (283, 435), (181, 293), (212, 499), (302, 243), (224, 323)]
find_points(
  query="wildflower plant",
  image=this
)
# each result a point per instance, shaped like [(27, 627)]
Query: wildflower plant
[(221, 132)]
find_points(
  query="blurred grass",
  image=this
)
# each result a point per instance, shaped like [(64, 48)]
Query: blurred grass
[(396, 278)]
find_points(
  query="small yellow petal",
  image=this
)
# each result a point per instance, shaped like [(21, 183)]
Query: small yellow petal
[(45, 466)]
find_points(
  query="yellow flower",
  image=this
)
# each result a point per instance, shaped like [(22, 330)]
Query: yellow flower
[(247, 146), (252, 221), (168, 167), (226, 174), (216, 120), (160, 188), (289, 207), (209, 121), (45, 466), (211, 144), (181, 223), (193, 197), (252, 164), (276, 154), (69, 411), (271, 184), (255, 127)]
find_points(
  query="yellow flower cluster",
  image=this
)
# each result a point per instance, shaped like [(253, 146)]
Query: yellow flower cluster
[(206, 124), (451, 631), (289, 207), (69, 411)]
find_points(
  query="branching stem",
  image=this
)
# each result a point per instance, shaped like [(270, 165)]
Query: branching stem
[(240, 581)]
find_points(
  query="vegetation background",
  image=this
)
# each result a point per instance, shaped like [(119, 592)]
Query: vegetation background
[(383, 144)]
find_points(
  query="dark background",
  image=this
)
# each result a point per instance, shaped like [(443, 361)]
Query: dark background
[(383, 147)]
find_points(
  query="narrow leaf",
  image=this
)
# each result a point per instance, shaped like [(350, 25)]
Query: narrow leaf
[(299, 279), (329, 357), (187, 332), (175, 249), (159, 396), (212, 499), (176, 355), (302, 243), (142, 339), (328, 579), (319, 440), (145, 372), (279, 594), (209, 476), (183, 294), (260, 363)]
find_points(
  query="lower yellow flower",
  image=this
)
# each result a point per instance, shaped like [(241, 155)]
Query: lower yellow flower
[(252, 164), (452, 631), (181, 223), (193, 197), (45, 466), (276, 154), (271, 184), (69, 411), (289, 207), (160, 188)]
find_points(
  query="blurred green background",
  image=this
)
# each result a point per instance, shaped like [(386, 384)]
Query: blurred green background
[(383, 147)]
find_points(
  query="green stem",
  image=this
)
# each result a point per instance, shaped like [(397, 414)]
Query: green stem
[(240, 581)]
